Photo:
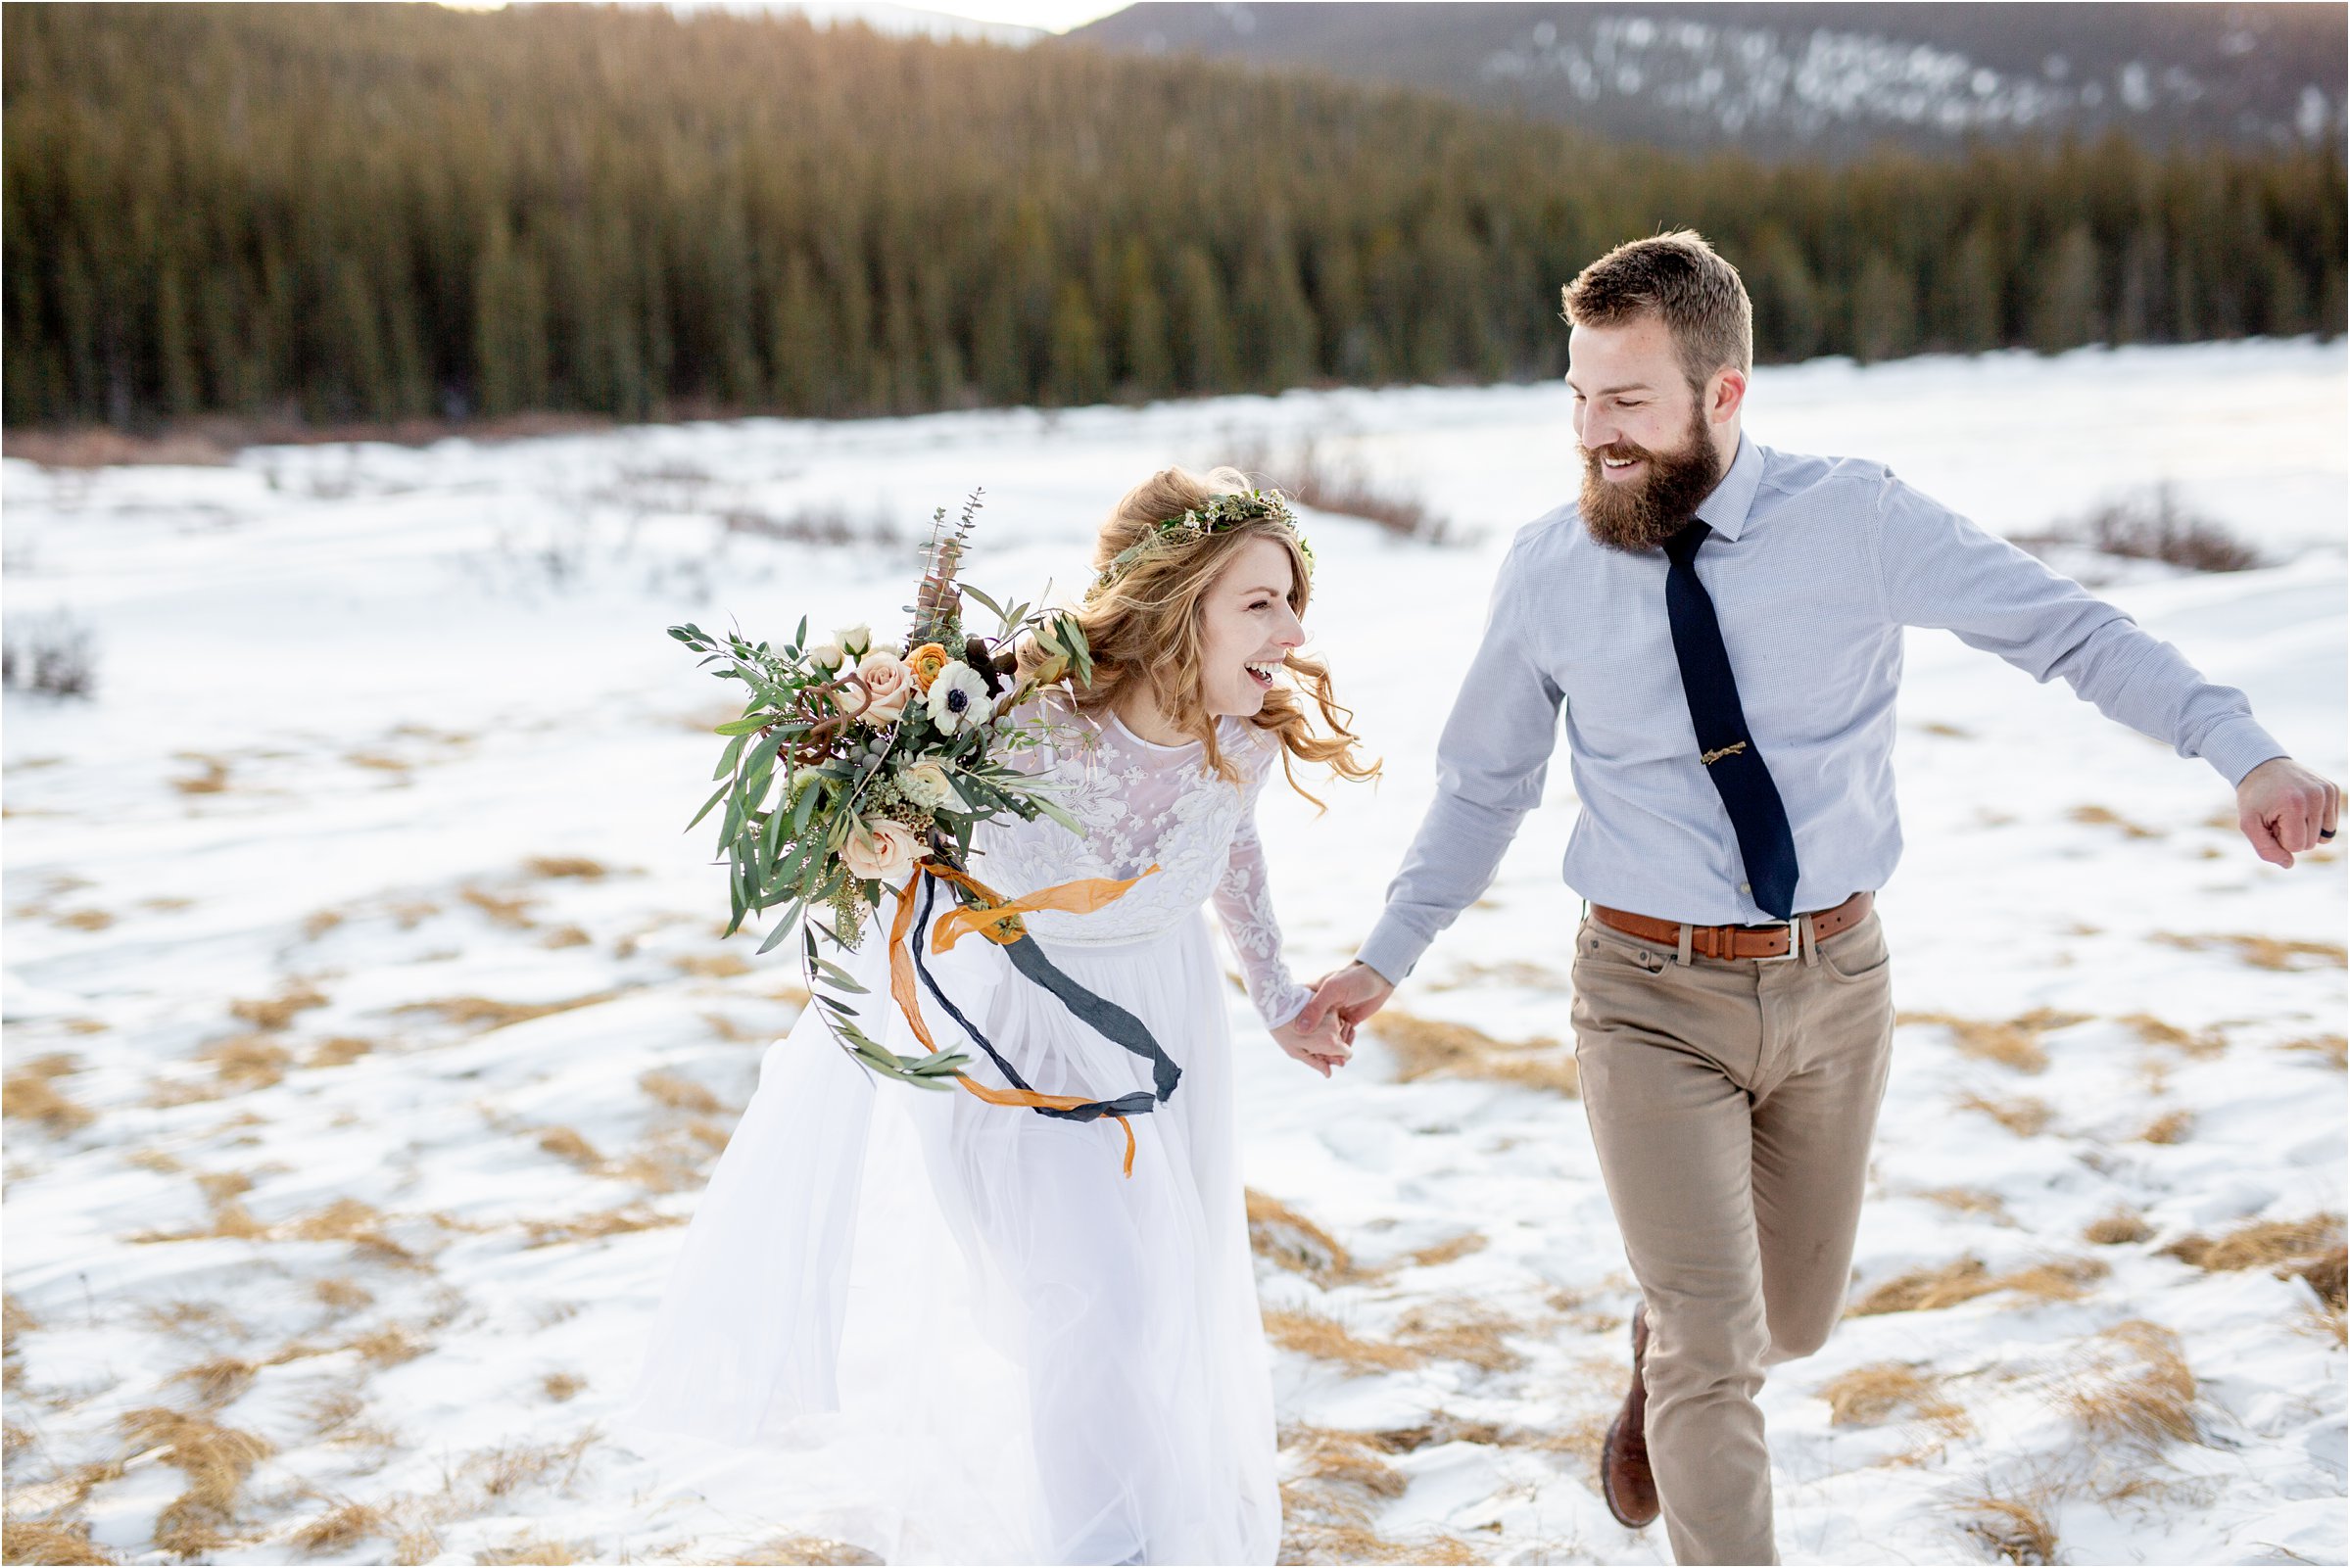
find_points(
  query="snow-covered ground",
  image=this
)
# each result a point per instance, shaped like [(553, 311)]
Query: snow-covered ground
[(375, 1000)]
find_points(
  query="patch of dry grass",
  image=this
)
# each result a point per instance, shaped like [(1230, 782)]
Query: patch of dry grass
[(2311, 1249), (2263, 952), (342, 1528), (319, 923), (342, 1297), (1969, 1201), (387, 1346), (480, 1011), (712, 965), (246, 1061), (216, 1461), (510, 913), (278, 1011), (2334, 1048), (2169, 1127), (566, 936), (2014, 1529), (2117, 1229), (1463, 1329), (1929, 1289), (578, 866), (2133, 1384), (562, 1386), (530, 1549), (28, 1094), (2201, 1044), (820, 1551), (2024, 1116), (1871, 1396), (594, 1227), (1448, 1250), (1282, 1236), (338, 1051), (2105, 817), (42, 1541), (218, 1381), (1325, 1339), (679, 1093), (569, 1145), (1423, 1047), (211, 781), (2010, 1042)]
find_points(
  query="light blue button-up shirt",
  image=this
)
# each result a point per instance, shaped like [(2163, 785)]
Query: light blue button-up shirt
[(1816, 566)]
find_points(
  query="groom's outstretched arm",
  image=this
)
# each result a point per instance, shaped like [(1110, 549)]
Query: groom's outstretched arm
[(1491, 758)]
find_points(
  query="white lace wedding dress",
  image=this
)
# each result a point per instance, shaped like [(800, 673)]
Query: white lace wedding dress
[(1007, 1349)]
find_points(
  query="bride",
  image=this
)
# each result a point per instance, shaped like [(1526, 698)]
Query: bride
[(1010, 1350)]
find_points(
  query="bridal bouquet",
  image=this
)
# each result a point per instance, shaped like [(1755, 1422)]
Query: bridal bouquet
[(859, 767)]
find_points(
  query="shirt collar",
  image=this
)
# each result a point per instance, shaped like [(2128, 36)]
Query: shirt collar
[(1725, 510)]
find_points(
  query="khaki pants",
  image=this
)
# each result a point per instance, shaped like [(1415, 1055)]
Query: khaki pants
[(1732, 1104)]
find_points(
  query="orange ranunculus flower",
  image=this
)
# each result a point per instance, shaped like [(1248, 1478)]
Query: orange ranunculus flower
[(926, 662)]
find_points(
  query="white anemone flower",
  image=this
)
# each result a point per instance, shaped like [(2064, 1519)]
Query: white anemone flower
[(958, 698)]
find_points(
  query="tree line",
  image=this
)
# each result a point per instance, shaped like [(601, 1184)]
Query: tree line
[(377, 213)]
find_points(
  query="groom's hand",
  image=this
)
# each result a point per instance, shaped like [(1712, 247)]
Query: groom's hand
[(2283, 808), (1354, 993)]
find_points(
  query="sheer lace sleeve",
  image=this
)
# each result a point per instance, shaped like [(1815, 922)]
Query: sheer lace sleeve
[(1244, 903)]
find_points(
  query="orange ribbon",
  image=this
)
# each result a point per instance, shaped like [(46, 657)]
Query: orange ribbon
[(998, 921)]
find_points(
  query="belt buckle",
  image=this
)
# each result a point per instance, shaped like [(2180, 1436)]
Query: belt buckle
[(1795, 943)]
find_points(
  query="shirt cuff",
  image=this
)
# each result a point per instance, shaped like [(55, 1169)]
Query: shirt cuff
[(2239, 746), (1391, 949)]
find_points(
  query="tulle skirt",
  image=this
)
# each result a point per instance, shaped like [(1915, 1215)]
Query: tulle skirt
[(1000, 1349)]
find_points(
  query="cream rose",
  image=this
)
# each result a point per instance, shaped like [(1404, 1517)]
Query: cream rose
[(889, 685), (929, 785), (881, 850), (827, 655)]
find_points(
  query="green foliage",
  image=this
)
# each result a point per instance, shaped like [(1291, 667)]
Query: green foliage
[(336, 212)]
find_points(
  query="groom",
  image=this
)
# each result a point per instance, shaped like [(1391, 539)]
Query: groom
[(1722, 623)]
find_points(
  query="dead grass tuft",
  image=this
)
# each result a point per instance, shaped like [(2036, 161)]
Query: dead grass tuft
[(1325, 1339), (565, 866), (27, 1095), (2133, 1384), (246, 1061), (2201, 1044), (278, 1011), (337, 1051), (509, 1468), (387, 1346), (2118, 1229), (566, 1144), (486, 1015), (2016, 1530), (679, 1094), (2024, 1116), (1447, 1251), (1282, 1236), (211, 781), (566, 936), (562, 1386), (509, 913), (45, 1541), (713, 966), (15, 1319), (218, 1381), (2105, 817), (815, 1549), (2263, 952), (342, 1297), (1870, 1396), (340, 1529), (1926, 1290), (595, 1226), (1463, 1329), (1968, 1201), (2334, 1048), (530, 1549), (215, 1459), (320, 924), (1423, 1047), (2286, 1245), (2171, 1127), (2010, 1042)]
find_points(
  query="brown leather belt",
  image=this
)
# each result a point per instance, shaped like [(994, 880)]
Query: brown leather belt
[(1738, 941)]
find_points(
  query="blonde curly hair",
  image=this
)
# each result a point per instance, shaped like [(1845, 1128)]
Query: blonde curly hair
[(1144, 626)]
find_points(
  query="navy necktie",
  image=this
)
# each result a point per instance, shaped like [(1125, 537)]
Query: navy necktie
[(1764, 840)]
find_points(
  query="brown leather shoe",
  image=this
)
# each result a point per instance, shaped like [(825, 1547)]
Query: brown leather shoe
[(1625, 1483)]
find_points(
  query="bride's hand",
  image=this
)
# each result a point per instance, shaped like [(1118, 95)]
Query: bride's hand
[(1323, 1047)]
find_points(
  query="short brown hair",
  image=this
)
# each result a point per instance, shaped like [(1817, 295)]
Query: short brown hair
[(1683, 279)]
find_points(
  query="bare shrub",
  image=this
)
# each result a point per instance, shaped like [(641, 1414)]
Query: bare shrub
[(51, 653), (1309, 475), (2153, 525)]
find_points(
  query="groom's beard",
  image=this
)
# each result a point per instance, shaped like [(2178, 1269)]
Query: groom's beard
[(1641, 516)]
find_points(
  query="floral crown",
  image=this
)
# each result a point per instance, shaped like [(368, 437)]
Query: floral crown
[(1218, 514)]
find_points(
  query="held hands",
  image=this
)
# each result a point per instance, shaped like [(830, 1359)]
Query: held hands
[(1348, 995), (2283, 808), (1322, 1046)]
